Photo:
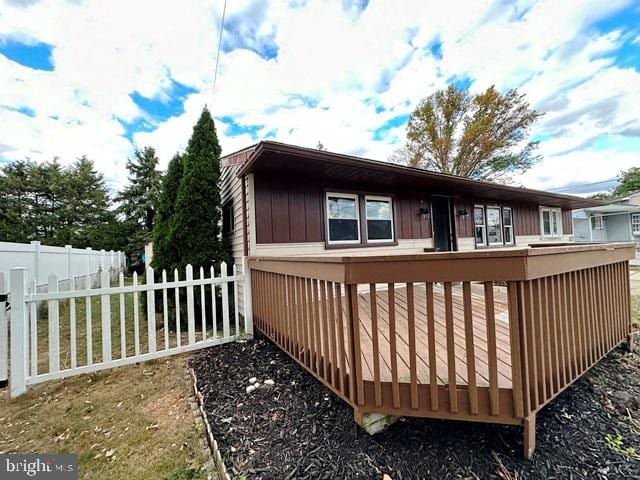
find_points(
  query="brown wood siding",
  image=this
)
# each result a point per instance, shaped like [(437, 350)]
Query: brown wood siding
[(292, 211)]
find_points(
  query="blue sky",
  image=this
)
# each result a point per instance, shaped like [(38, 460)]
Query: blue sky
[(347, 73)]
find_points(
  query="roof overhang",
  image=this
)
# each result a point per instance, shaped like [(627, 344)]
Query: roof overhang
[(281, 158)]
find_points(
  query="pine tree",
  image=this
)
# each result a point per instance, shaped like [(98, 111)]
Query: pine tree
[(165, 253), (138, 201), (196, 224)]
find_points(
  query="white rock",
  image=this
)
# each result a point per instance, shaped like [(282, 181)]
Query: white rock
[(250, 388), (253, 380), (269, 382), (257, 384)]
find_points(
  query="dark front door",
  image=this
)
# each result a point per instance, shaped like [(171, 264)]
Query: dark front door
[(441, 220)]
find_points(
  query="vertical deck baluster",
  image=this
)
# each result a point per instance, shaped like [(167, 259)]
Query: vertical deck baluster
[(546, 330), (377, 389), (529, 302), (395, 387), (332, 333), (325, 331), (431, 333), (354, 327), (316, 326), (524, 350), (494, 399), (340, 325), (555, 354), (472, 388), (311, 328), (451, 349), (413, 360), (539, 339), (304, 306), (516, 358)]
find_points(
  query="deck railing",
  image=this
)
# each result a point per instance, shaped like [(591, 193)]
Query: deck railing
[(487, 335)]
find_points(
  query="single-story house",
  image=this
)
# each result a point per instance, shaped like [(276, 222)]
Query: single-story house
[(281, 199), (618, 221), (409, 293)]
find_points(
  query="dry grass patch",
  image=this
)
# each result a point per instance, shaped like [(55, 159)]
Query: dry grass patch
[(132, 422)]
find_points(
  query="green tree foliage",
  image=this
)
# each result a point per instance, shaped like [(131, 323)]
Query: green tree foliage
[(629, 182), (56, 205), (196, 221), (165, 252), (138, 201), (481, 136)]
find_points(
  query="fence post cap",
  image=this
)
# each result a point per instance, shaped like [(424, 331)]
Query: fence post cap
[(35, 242), (68, 246)]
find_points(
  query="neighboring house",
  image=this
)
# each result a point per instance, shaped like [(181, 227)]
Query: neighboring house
[(281, 199), (618, 221)]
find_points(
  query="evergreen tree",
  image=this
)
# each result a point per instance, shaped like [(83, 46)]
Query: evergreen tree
[(196, 224), (165, 253), (138, 201)]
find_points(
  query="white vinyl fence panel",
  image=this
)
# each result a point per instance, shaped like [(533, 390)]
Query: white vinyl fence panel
[(111, 334), (65, 262)]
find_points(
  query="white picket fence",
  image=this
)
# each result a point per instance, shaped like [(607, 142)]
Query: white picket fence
[(35, 352)]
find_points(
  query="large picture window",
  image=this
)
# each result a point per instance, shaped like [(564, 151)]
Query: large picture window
[(343, 218), (551, 222), (379, 213), (597, 222), (635, 223)]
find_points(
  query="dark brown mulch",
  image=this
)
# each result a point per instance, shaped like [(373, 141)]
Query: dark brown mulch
[(298, 429)]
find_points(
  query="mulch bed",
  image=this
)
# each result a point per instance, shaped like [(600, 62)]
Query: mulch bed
[(297, 429)]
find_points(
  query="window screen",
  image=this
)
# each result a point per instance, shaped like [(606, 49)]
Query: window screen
[(342, 218), (379, 219)]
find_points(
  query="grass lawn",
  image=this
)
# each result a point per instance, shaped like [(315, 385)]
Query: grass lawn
[(131, 422)]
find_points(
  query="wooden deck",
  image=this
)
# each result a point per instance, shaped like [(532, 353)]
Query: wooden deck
[(478, 336), (402, 348)]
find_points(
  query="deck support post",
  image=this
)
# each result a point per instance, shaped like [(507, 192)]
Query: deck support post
[(529, 436), (373, 423)]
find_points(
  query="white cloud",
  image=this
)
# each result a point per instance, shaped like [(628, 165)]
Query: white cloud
[(339, 74)]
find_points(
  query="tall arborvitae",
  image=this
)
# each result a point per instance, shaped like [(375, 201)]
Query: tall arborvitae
[(138, 201), (196, 224), (165, 253)]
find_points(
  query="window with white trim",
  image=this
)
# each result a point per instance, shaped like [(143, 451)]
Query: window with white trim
[(635, 223), (343, 218), (507, 222), (550, 222), (479, 224), (494, 226), (597, 222), (379, 217)]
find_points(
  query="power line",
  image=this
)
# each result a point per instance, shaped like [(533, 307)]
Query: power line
[(577, 185), (215, 74)]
